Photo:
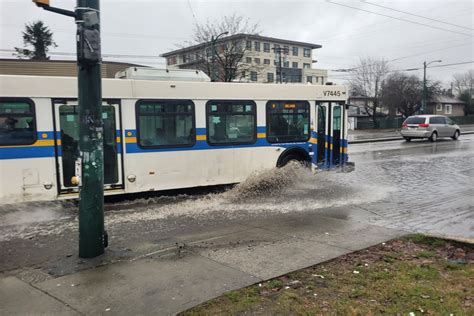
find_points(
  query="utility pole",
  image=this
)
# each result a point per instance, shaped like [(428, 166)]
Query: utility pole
[(423, 100), (213, 60), (92, 236)]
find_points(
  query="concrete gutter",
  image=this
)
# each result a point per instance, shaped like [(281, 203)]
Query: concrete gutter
[(388, 139)]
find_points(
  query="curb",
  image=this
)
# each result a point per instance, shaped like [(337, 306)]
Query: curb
[(389, 139)]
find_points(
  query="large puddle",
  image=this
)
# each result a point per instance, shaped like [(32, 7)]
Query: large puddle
[(283, 190)]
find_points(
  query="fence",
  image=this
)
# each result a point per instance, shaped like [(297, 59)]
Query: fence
[(381, 123)]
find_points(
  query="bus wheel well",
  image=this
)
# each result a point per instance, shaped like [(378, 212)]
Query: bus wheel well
[(295, 153)]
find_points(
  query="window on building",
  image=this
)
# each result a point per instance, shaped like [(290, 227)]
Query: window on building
[(266, 47), (185, 58), (317, 79), (231, 122), (257, 46), (322, 80), (266, 61), (171, 60), (253, 76), (270, 77), (286, 49), (309, 79), (17, 122), (295, 64), (248, 60), (306, 52), (275, 48), (286, 64), (306, 65), (248, 45), (257, 60), (287, 121), (275, 62), (448, 109), (439, 107), (295, 51), (165, 123)]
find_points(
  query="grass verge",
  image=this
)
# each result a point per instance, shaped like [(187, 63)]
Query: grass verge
[(416, 274)]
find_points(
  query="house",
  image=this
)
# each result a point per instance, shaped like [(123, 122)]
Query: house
[(446, 105), (260, 60)]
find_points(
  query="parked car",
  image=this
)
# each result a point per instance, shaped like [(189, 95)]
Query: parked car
[(429, 126)]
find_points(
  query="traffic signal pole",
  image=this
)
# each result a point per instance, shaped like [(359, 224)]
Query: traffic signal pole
[(92, 236)]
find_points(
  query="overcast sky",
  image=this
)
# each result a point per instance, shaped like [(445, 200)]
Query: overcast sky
[(149, 28)]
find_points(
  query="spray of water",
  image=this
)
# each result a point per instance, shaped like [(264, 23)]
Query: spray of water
[(280, 190)]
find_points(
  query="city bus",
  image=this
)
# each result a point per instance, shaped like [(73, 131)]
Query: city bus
[(161, 135)]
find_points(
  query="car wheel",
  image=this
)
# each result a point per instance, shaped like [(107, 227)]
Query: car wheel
[(456, 135), (408, 139), (434, 137)]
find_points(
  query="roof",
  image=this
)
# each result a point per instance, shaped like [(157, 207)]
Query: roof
[(68, 68), (242, 35), (447, 99)]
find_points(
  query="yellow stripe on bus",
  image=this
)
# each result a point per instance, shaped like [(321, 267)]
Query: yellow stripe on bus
[(261, 135), (44, 142), (313, 140), (130, 140), (201, 137)]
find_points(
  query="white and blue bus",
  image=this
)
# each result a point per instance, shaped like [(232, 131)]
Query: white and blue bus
[(164, 135)]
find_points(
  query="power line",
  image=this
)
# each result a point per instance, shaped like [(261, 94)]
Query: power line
[(417, 15), (103, 55), (400, 19), (349, 76), (192, 12)]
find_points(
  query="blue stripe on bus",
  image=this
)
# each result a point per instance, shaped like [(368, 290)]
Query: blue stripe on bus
[(133, 148), (26, 152)]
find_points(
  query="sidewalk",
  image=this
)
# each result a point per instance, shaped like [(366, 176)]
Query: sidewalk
[(374, 135), (184, 270)]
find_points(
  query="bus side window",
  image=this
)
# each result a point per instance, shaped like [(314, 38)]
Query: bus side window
[(165, 123), (17, 122), (231, 122), (287, 121)]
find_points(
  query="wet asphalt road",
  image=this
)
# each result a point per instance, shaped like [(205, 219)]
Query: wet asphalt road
[(416, 187)]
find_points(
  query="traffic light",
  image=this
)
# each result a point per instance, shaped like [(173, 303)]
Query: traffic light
[(41, 3)]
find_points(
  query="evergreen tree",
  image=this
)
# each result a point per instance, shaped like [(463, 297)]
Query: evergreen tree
[(38, 36)]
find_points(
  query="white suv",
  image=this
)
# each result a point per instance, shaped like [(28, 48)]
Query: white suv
[(429, 126)]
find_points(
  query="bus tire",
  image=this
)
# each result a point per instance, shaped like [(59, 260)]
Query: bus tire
[(300, 157)]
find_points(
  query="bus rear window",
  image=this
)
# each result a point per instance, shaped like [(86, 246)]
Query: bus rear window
[(287, 121), (17, 122)]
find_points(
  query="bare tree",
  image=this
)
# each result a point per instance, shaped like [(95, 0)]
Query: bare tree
[(463, 81), (404, 93), (39, 36), (367, 81), (228, 51), (463, 86)]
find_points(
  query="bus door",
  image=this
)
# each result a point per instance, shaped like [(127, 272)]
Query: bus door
[(322, 129), (66, 114), (336, 133)]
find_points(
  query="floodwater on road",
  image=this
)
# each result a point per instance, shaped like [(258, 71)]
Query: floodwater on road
[(417, 186)]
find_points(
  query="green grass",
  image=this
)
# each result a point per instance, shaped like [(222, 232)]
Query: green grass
[(412, 274)]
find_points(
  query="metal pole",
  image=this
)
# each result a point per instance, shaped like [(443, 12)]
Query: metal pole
[(423, 101), (92, 237)]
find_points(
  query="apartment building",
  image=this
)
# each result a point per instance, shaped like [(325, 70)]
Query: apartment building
[(263, 58)]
